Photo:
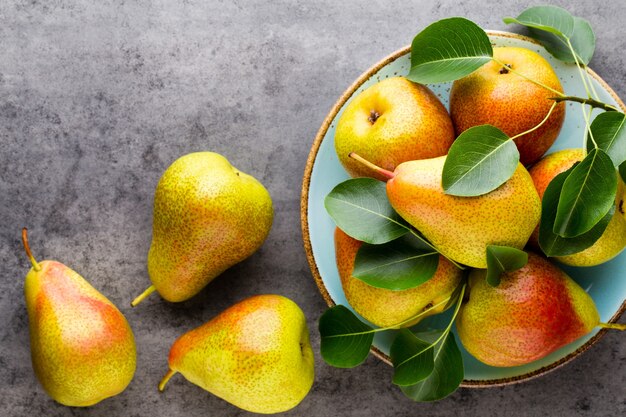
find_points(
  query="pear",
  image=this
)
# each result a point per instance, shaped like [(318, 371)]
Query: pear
[(497, 95), (82, 347), (393, 121), (534, 311), (613, 240), (255, 355), (461, 228), (208, 216), (386, 308)]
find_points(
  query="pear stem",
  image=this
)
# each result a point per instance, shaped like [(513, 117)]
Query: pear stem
[(587, 101), (143, 295), (615, 326), (385, 173), (36, 266), (166, 378)]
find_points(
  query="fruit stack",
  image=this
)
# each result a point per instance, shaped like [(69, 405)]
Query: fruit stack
[(463, 210)]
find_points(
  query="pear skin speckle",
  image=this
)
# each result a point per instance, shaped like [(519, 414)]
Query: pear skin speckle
[(255, 355), (391, 122), (82, 347), (208, 216), (385, 307), (533, 312), (510, 102), (462, 227)]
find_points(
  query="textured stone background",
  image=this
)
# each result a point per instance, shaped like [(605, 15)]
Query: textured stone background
[(98, 98)]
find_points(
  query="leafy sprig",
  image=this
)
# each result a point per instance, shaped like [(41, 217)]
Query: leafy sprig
[(550, 242), (427, 366)]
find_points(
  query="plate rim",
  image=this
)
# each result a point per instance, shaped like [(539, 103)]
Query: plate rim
[(304, 220)]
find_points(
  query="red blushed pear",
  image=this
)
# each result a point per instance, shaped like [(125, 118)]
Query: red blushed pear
[(82, 347), (461, 228), (533, 312), (496, 94), (255, 355)]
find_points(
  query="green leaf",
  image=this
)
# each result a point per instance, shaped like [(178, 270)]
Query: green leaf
[(447, 373), (502, 259), (552, 26), (622, 171), (552, 19), (360, 208), (397, 265), (583, 40), (480, 160), (554, 245), (345, 340), (448, 50), (412, 358), (609, 132), (587, 196)]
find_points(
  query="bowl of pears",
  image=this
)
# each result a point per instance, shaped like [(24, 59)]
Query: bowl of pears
[(463, 206)]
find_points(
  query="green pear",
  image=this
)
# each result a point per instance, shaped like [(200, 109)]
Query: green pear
[(534, 311), (208, 216), (256, 355), (393, 121), (613, 240), (387, 308), (82, 347), (461, 228)]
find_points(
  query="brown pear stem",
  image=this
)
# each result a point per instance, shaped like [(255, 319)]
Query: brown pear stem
[(385, 173), (36, 266), (142, 296), (587, 101), (614, 326), (166, 378)]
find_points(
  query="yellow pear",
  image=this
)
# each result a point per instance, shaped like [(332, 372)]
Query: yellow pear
[(255, 355), (391, 122), (461, 228), (613, 240), (387, 308), (497, 95), (82, 347), (208, 216)]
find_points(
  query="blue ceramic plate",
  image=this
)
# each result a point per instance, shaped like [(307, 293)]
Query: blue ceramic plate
[(605, 283)]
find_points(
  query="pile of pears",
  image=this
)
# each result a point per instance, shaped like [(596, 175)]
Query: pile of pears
[(208, 216), (399, 132)]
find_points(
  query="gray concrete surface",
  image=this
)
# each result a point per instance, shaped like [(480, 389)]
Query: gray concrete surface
[(98, 98)]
